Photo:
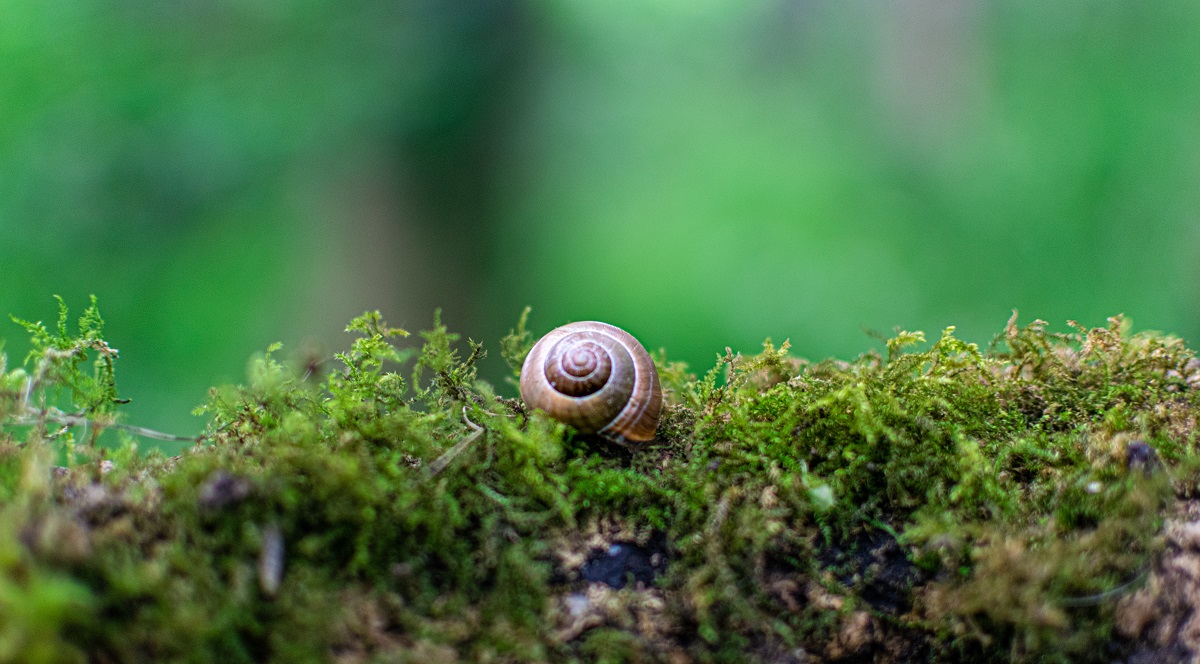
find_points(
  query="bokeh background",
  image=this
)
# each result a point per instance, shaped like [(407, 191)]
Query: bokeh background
[(228, 173)]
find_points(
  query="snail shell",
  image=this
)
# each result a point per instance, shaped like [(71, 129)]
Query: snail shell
[(597, 378)]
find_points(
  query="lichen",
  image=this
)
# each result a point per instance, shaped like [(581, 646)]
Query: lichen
[(925, 502)]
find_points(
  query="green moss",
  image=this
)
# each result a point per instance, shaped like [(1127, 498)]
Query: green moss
[(935, 502)]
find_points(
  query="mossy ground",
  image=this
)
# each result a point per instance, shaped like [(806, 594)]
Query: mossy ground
[(934, 502)]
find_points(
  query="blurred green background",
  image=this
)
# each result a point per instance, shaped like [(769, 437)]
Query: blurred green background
[(224, 174)]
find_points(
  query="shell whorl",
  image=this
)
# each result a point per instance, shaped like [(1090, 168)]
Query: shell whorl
[(595, 377)]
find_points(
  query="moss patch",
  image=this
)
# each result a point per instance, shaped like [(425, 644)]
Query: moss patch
[(932, 502)]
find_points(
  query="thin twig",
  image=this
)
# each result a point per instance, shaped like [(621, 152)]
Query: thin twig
[(1100, 598), (34, 419), (39, 417), (311, 367), (441, 462)]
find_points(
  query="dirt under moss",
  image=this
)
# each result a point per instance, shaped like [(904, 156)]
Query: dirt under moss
[(933, 502)]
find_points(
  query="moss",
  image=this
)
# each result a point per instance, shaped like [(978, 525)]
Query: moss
[(930, 502)]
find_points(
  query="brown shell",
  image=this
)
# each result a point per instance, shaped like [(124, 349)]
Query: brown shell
[(595, 377)]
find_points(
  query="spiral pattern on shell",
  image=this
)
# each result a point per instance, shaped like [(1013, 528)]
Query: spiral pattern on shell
[(595, 377)]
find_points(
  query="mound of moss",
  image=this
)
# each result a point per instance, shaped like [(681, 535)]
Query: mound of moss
[(935, 502)]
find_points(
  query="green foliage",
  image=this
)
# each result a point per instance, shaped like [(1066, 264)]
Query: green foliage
[(517, 344), (977, 504), (57, 358)]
